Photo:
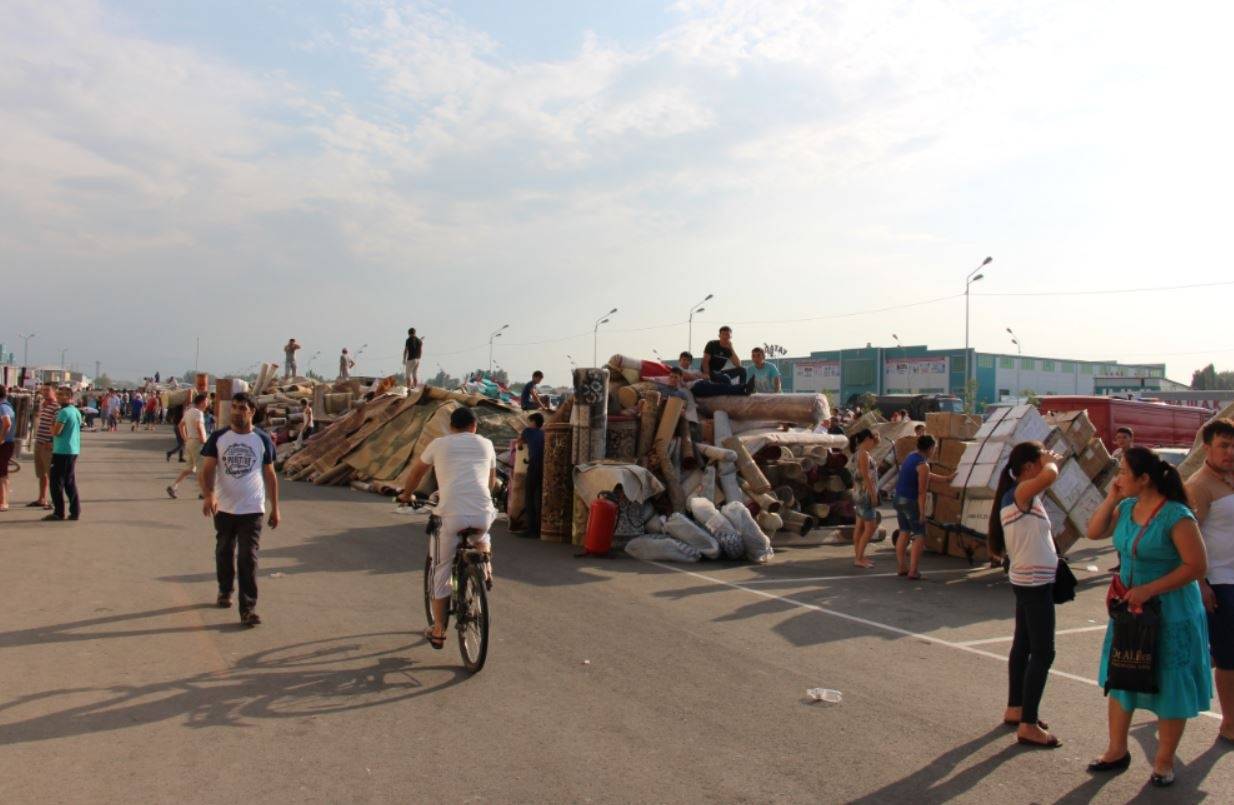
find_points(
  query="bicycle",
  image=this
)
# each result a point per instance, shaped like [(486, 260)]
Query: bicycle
[(468, 601)]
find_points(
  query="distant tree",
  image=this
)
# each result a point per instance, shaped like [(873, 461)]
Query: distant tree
[(1209, 378), (443, 380), (1031, 397), (104, 382)]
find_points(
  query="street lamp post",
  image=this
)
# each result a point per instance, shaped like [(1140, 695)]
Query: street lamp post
[(900, 346), (973, 276), (63, 352), (1019, 363), (595, 336), (25, 350), (695, 309), (496, 334)]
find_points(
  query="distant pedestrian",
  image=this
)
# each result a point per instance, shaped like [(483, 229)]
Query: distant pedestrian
[(306, 426), (910, 505), (174, 415), (8, 444), (151, 409), (1163, 560), (345, 364), (765, 376), (533, 487), (43, 434), (1019, 528), (289, 358), (530, 399), (866, 494), (191, 430), (1211, 490), (237, 478), (1124, 440), (66, 446), (413, 348)]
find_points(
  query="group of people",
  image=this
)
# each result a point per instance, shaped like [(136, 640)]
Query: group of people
[(57, 443), (1175, 544), (413, 350)]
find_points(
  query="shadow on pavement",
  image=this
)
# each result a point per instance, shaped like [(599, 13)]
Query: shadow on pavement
[(69, 632), (1187, 775), (927, 784), (319, 677)]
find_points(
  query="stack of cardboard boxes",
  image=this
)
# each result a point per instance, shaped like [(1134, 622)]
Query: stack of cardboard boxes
[(944, 504)]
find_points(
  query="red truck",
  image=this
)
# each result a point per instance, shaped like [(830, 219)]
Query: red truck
[(1154, 424)]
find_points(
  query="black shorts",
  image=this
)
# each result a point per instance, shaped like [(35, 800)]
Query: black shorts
[(6, 454), (1221, 627)]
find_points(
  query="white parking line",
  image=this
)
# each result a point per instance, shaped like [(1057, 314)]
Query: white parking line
[(1078, 630), (790, 580), (876, 625)]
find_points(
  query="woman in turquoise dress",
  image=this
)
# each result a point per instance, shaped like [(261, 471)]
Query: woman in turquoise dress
[(1148, 496)]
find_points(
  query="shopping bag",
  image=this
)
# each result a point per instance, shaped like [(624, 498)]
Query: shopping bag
[(1132, 663), (1064, 583)]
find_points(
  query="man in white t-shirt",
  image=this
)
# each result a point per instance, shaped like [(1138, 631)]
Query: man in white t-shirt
[(236, 477), (466, 467), (192, 429)]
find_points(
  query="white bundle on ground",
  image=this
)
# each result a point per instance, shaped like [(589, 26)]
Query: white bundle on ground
[(758, 547), (731, 542), (656, 524), (662, 549), (727, 478), (691, 533)]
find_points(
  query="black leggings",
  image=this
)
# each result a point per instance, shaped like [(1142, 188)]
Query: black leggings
[(1032, 651)]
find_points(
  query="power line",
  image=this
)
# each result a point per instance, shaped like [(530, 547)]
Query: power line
[(1110, 291)]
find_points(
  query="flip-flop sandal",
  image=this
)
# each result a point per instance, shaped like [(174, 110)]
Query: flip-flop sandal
[(913, 576), (438, 643), (34, 504), (901, 572), (1010, 723), (1053, 743)]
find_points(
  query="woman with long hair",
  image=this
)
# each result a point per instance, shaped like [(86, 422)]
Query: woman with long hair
[(866, 496), (1020, 530), (1162, 557)]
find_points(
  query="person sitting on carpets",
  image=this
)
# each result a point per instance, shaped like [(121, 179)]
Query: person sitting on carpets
[(765, 376), (530, 398), (720, 361)]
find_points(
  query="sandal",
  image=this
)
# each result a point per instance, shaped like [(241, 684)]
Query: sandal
[(1009, 723), (438, 643), (1053, 743), (913, 576)]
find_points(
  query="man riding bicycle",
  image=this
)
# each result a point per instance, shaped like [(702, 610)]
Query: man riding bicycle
[(466, 467)]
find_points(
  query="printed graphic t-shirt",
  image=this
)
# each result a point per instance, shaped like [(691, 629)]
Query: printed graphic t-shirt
[(238, 480)]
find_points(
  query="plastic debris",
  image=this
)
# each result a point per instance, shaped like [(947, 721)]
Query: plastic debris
[(825, 695), (586, 662), (1092, 568), (277, 575)]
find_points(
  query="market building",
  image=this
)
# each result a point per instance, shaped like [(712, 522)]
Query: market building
[(843, 373)]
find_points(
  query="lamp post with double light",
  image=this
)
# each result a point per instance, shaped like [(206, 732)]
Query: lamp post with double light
[(695, 308), (595, 336)]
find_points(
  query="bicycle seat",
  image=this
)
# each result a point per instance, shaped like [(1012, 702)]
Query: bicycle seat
[(470, 532)]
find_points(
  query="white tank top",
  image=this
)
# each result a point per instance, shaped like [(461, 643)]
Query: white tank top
[(1030, 546)]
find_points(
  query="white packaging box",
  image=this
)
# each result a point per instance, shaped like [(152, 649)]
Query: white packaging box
[(1071, 484), (977, 515), (1085, 508), (1058, 517)]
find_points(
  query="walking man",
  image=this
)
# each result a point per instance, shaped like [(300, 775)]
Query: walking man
[(65, 447), (413, 348), (8, 443), (191, 431), (1211, 491), (237, 478), (533, 486), (289, 357), (42, 443)]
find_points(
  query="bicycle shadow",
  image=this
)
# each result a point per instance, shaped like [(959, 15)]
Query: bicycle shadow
[(319, 677)]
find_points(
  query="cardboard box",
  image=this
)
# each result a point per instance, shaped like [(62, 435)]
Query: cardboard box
[(950, 452), (904, 447), (1058, 517), (1065, 540), (978, 480), (935, 538), (963, 546), (1085, 508), (946, 425), (1071, 484), (1076, 426), (1094, 458), (992, 421), (977, 514), (944, 509), (1057, 442), (942, 488)]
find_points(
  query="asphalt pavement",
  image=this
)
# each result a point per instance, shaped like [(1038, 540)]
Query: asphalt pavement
[(609, 680)]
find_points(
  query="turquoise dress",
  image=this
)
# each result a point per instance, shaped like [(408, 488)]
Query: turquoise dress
[(1184, 676)]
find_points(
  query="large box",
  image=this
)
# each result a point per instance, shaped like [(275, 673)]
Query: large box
[(935, 538), (1084, 509), (1066, 538), (942, 487), (963, 546), (1094, 458), (946, 425), (946, 509), (992, 421), (949, 453), (1057, 442), (1058, 517), (904, 447), (977, 480), (977, 514), (1075, 425), (1071, 484)]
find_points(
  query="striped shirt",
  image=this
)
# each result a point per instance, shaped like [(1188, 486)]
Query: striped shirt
[(47, 419), (1030, 546)]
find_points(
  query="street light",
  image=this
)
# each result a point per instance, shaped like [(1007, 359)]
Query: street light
[(973, 276), (694, 308), (570, 358), (25, 352), (1019, 362), (496, 334), (595, 336), (896, 338), (63, 352)]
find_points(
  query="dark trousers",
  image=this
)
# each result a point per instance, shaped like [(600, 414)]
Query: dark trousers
[(726, 375), (1032, 651), (232, 532), (709, 388), (533, 488), (179, 448), (64, 482)]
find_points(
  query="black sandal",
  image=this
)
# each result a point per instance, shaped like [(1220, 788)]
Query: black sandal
[(1053, 743), (438, 643)]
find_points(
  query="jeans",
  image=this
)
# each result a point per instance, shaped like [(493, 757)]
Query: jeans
[(708, 388), (64, 482), (533, 488), (179, 448), (908, 517), (242, 532), (726, 375), (1032, 651)]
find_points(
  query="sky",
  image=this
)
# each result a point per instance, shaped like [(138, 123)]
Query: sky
[(238, 173)]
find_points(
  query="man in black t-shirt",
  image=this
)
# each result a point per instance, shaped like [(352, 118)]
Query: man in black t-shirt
[(717, 357), (413, 347)]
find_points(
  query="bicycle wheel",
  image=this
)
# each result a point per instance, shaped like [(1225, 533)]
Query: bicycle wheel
[(428, 589), (472, 619)]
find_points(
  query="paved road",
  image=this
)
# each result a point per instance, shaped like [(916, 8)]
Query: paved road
[(610, 680)]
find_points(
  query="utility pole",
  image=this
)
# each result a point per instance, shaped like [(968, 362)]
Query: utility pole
[(97, 365)]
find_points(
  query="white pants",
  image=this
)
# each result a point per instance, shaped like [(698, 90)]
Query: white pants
[(412, 368), (441, 548)]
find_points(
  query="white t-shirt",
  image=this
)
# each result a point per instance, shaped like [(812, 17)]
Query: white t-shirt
[(462, 462), (238, 479), (194, 424)]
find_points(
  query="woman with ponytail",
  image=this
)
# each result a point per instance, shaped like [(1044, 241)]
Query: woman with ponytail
[(1163, 557), (866, 497), (1020, 530)]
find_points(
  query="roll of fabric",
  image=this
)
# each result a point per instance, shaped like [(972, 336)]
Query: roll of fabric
[(800, 409), (580, 439), (591, 389), (621, 441), (557, 503), (647, 419)]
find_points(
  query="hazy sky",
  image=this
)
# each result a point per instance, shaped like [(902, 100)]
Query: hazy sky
[(245, 172)]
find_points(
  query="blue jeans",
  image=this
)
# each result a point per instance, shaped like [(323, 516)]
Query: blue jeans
[(908, 515)]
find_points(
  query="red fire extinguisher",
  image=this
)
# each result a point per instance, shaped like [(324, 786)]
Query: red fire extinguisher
[(601, 523)]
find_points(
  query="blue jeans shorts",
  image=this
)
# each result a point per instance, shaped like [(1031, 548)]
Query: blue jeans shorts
[(908, 514), (865, 508)]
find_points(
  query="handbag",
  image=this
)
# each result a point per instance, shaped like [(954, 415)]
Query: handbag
[(1064, 583), (1132, 663)]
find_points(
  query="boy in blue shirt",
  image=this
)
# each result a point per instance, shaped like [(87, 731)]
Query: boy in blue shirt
[(65, 447)]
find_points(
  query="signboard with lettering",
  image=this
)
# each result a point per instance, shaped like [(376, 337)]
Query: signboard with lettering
[(915, 376), (816, 376)]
